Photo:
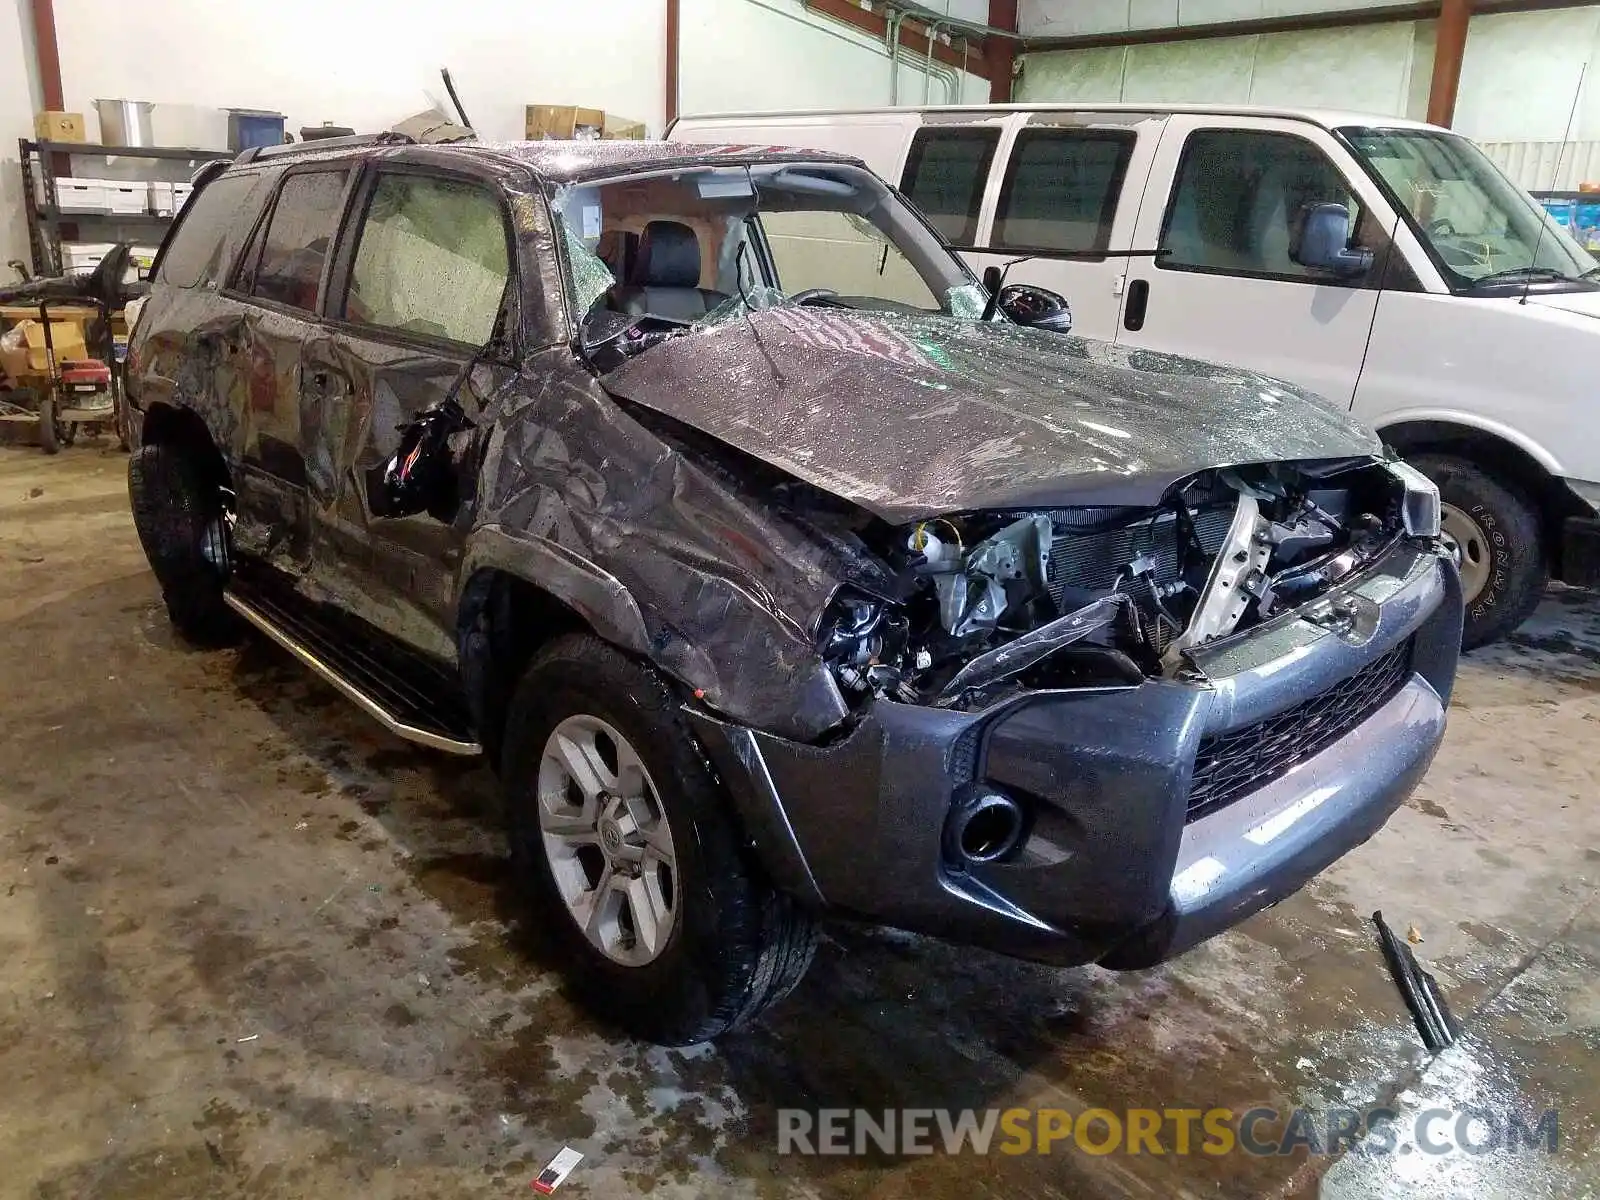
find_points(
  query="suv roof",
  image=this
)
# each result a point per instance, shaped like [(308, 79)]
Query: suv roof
[(558, 161)]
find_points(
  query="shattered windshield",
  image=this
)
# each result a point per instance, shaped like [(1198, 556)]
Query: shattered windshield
[(1481, 229), (699, 246)]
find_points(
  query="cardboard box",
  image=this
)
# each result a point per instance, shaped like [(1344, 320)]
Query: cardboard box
[(60, 127), (620, 127), (564, 121), (65, 336)]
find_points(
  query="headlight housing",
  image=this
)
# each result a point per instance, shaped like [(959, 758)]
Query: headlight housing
[(1419, 509), (862, 639)]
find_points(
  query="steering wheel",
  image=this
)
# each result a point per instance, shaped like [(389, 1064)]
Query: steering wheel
[(809, 294), (1442, 227)]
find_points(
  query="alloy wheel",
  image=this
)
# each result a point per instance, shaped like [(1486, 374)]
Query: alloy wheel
[(607, 840)]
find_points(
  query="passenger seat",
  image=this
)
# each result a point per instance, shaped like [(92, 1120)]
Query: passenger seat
[(666, 276)]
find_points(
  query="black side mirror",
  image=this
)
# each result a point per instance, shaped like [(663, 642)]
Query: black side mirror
[(1036, 307), (1321, 241), (420, 476), (991, 279)]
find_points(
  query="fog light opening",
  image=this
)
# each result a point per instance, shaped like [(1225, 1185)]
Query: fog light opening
[(985, 829)]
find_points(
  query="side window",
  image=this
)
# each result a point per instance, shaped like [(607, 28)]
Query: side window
[(1238, 197), (191, 256), (432, 259), (298, 239), (844, 253), (1061, 188), (945, 176)]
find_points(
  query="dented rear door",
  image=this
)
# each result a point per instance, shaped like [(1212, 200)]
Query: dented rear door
[(280, 278), (419, 291)]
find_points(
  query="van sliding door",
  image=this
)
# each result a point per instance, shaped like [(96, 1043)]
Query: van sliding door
[(1072, 181)]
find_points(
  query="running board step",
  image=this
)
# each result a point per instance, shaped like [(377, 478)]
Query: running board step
[(399, 690)]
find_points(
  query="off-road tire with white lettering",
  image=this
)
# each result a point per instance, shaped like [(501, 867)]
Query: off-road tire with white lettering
[(1520, 566), (739, 945)]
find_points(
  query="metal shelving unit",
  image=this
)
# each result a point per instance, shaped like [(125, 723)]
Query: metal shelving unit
[(45, 221)]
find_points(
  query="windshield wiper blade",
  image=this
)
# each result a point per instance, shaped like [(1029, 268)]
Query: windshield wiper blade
[(1511, 274)]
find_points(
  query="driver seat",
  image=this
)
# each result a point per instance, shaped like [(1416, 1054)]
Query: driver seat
[(666, 276)]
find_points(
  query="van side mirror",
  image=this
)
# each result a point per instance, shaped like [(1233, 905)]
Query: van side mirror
[(1321, 241)]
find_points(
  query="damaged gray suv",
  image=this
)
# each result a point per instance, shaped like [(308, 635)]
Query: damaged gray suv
[(776, 567)]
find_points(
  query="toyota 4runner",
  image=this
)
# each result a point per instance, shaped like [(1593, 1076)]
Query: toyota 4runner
[(776, 568)]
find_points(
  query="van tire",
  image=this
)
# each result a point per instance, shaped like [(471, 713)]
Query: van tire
[(173, 507), (1517, 564), (737, 945)]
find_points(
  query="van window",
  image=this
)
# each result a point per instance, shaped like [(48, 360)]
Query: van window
[(190, 257), (1237, 195), (945, 175), (432, 259), (1061, 188), (298, 238)]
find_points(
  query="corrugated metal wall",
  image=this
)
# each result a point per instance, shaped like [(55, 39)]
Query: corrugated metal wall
[(1547, 165)]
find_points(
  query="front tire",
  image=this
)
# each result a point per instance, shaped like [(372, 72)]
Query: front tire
[(49, 430), (179, 517), (631, 859), (1496, 529)]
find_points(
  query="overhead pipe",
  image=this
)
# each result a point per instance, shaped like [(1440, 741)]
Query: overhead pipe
[(891, 47), (927, 77), (972, 28)]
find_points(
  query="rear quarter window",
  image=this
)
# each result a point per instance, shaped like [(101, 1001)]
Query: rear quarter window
[(200, 246)]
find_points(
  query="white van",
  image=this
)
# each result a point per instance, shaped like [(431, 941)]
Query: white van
[(1385, 264)]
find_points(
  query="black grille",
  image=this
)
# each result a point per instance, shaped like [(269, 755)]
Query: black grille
[(1231, 764)]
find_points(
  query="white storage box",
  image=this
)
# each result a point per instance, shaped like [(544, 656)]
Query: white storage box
[(83, 256), (125, 196), (167, 199), (82, 195)]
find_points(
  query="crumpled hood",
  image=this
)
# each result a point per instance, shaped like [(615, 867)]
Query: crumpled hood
[(914, 416)]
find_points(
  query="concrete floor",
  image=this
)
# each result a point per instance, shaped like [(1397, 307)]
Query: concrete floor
[(251, 945)]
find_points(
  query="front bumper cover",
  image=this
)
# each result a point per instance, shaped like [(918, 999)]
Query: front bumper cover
[(1112, 870)]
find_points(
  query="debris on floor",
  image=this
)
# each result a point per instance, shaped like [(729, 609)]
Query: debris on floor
[(1435, 1022), (557, 1171)]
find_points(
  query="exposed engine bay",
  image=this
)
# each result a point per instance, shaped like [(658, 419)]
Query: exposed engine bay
[(1107, 596)]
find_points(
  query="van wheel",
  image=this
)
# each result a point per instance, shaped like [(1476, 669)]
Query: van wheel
[(631, 858), (1495, 531), (181, 525)]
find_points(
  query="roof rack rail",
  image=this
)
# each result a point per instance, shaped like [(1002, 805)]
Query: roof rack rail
[(387, 138)]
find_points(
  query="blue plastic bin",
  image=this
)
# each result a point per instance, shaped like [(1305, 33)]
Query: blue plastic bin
[(249, 127)]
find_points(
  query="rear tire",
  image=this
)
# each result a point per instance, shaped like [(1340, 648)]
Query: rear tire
[(1504, 567), (734, 945), (175, 509)]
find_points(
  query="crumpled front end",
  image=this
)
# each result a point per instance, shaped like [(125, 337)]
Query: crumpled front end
[(1071, 743)]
